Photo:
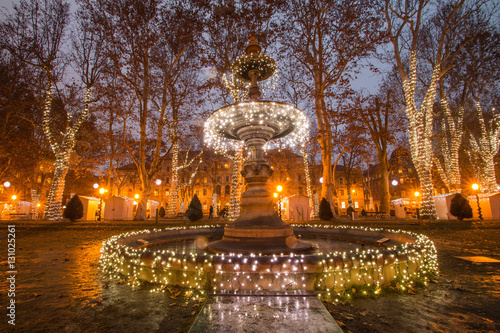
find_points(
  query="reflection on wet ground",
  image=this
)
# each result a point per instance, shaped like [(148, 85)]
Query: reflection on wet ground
[(270, 313)]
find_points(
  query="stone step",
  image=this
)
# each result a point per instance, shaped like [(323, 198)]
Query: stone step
[(276, 313)]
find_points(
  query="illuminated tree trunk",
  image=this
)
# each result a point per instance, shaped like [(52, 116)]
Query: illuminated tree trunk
[(312, 204), (234, 206), (174, 182), (449, 169), (485, 148), (62, 151), (420, 133)]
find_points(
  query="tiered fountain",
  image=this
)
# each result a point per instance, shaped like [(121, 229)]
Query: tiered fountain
[(259, 251), (258, 228)]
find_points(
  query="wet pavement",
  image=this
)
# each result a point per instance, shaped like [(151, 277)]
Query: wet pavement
[(60, 289)]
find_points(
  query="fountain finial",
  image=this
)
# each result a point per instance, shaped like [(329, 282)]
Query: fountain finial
[(253, 46), (253, 67)]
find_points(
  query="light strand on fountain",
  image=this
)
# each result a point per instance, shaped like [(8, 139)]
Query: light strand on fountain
[(332, 274)]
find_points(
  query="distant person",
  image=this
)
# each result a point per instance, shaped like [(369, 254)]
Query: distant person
[(211, 212)]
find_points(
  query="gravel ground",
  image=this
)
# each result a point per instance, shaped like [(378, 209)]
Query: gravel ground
[(59, 288)]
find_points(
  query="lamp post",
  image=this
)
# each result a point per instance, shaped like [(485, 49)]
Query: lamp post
[(101, 192), (475, 187), (417, 194), (279, 188)]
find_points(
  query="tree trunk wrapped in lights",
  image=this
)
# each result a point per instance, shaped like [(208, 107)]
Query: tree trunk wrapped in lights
[(439, 45), (420, 124), (236, 183), (484, 149), (448, 168), (62, 151), (175, 184), (312, 204)]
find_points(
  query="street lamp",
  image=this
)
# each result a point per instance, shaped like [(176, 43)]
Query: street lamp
[(417, 194), (475, 187), (96, 186), (6, 184), (394, 182), (14, 197)]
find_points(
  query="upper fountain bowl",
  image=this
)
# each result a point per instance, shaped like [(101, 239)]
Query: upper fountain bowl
[(242, 67), (263, 119)]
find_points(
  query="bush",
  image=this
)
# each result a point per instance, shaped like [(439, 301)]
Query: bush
[(325, 211), (161, 212), (194, 211), (74, 209), (363, 213), (460, 207)]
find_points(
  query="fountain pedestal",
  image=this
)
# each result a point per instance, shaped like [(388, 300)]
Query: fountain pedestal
[(258, 228)]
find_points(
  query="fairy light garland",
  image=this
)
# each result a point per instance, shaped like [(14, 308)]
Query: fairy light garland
[(420, 124), (330, 274), (449, 169), (236, 182), (484, 149), (308, 179), (62, 152), (278, 117)]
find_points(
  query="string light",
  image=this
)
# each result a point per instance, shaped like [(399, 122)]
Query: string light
[(420, 124), (326, 273), (484, 149), (62, 151), (449, 169)]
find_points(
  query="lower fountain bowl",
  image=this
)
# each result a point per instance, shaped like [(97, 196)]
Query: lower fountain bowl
[(340, 258)]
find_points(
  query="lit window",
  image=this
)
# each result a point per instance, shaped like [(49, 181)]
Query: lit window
[(167, 192), (205, 206), (155, 193), (356, 204), (343, 205)]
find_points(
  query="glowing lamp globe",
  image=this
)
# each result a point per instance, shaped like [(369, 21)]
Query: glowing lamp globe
[(475, 187)]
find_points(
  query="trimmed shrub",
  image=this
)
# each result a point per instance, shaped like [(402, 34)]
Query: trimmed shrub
[(460, 207), (325, 211), (74, 209), (194, 211), (161, 212)]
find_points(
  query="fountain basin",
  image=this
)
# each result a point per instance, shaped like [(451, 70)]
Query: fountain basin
[(139, 257)]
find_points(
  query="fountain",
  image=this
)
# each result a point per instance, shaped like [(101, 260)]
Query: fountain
[(258, 228), (260, 252)]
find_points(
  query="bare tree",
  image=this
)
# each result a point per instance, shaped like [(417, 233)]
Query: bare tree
[(35, 34), (415, 34), (324, 40), (149, 44)]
